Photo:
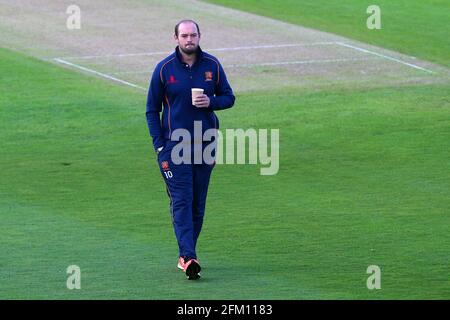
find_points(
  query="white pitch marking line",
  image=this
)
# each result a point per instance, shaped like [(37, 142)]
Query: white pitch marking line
[(272, 64), (273, 46), (118, 55), (216, 49), (384, 56), (299, 62), (99, 74)]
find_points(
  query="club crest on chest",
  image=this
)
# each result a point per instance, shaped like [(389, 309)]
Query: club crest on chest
[(208, 76)]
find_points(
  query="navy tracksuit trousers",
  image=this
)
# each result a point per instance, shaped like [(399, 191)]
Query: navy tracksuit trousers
[(187, 188)]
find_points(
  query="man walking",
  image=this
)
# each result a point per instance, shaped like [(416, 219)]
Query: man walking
[(187, 182)]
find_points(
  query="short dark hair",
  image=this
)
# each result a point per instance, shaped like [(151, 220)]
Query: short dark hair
[(183, 21)]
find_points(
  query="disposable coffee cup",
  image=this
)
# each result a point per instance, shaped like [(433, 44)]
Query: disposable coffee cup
[(195, 93)]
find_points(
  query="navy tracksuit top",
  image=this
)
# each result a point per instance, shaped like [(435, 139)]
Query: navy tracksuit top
[(170, 87)]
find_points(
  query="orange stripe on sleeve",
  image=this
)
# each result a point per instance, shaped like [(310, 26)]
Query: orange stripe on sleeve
[(168, 104), (160, 72)]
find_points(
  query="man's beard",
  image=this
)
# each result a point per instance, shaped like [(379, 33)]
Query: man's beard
[(192, 50)]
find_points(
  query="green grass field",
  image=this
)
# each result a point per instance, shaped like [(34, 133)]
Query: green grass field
[(414, 27), (363, 181)]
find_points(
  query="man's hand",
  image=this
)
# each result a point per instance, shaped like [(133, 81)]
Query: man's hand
[(202, 101), (158, 150)]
